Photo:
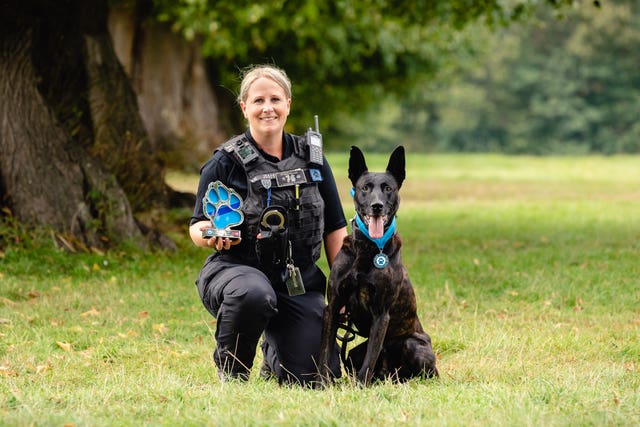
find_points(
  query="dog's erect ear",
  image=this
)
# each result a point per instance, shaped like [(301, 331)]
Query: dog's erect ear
[(396, 166), (357, 165)]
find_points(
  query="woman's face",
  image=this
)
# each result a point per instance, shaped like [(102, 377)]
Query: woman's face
[(266, 108)]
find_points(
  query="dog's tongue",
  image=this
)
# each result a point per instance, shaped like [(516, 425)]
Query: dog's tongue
[(376, 227)]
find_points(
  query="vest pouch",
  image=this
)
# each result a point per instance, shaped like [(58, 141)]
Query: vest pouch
[(272, 242)]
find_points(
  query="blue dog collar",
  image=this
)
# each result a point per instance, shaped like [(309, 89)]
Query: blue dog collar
[(381, 260), (381, 241)]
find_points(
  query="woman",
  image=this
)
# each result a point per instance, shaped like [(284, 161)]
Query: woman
[(266, 283)]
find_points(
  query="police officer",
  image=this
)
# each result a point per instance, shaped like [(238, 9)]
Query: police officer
[(266, 283)]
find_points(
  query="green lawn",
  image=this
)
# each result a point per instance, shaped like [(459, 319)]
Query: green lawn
[(527, 274)]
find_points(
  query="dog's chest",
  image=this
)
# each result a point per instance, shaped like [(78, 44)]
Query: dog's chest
[(372, 287)]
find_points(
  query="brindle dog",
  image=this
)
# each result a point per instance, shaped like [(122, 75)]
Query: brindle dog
[(369, 280)]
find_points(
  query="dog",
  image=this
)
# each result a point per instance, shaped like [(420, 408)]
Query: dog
[(370, 288)]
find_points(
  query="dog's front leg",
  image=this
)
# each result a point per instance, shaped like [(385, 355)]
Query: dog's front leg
[(328, 338), (374, 347)]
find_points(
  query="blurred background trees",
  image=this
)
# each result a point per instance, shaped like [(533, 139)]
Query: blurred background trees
[(100, 97), (563, 84), (513, 77)]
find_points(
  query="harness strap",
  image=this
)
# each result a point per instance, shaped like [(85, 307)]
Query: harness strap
[(349, 335)]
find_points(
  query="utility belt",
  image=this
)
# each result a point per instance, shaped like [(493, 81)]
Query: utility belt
[(275, 251), (275, 239)]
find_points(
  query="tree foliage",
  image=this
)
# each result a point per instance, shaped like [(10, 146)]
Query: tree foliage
[(551, 85), (70, 120), (342, 56)]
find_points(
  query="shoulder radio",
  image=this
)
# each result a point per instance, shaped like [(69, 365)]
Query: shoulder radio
[(314, 142)]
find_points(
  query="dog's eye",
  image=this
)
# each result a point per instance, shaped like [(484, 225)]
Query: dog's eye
[(388, 189), (366, 187)]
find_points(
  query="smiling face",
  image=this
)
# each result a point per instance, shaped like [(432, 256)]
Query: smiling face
[(266, 107)]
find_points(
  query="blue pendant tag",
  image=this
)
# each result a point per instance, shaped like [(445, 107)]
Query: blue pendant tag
[(380, 260)]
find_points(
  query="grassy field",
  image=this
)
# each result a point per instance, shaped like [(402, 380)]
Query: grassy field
[(527, 274)]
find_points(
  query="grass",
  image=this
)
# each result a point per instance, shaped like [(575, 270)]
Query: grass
[(526, 271)]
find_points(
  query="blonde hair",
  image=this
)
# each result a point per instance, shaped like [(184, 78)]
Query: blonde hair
[(254, 72)]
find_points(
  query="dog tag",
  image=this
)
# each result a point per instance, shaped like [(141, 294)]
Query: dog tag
[(295, 285), (380, 260)]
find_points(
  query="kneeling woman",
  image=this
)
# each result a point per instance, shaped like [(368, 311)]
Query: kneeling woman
[(267, 283)]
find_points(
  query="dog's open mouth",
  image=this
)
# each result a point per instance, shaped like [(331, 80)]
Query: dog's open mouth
[(375, 224)]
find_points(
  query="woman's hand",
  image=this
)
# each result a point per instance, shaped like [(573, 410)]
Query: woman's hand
[(219, 243)]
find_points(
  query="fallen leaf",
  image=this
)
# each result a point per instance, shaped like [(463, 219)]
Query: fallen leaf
[(160, 327), (65, 346), (41, 369), (92, 312), (5, 371), (7, 301), (130, 334)]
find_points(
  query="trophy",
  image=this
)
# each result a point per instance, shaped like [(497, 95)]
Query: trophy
[(222, 206)]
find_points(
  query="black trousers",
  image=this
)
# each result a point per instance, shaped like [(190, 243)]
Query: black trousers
[(246, 307)]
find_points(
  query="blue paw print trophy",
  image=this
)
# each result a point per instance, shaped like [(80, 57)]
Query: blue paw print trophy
[(222, 206)]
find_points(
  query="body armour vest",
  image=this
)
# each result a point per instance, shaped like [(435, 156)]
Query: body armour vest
[(291, 184)]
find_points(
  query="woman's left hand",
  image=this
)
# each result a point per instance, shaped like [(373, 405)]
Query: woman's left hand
[(221, 243)]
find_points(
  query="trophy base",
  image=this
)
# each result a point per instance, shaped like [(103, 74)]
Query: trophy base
[(214, 232)]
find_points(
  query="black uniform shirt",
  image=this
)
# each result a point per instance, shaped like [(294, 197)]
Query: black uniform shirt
[(222, 168)]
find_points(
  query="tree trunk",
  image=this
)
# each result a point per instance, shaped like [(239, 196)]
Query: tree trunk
[(178, 105), (61, 95), (120, 138)]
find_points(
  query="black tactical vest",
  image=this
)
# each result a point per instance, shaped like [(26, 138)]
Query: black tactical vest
[(291, 183)]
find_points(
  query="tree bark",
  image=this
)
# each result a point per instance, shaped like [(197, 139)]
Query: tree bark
[(178, 105), (120, 138), (62, 95)]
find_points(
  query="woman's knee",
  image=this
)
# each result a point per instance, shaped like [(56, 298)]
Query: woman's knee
[(251, 293)]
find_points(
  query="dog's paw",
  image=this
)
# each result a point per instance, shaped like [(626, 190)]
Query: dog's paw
[(222, 205)]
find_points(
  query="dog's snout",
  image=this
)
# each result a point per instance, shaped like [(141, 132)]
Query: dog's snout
[(377, 208)]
